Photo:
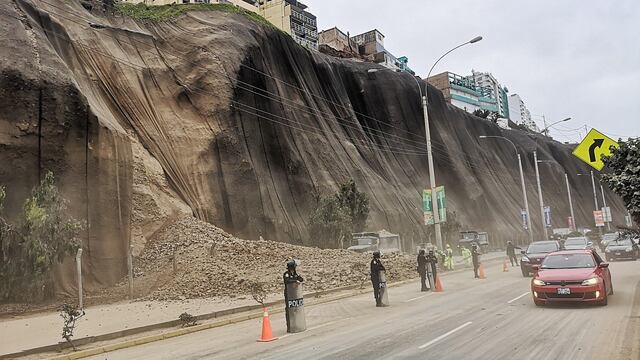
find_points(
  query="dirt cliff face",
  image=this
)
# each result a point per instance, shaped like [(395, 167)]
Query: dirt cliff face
[(214, 115)]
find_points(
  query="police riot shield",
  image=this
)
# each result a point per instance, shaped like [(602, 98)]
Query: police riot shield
[(294, 302), (383, 293), (430, 278)]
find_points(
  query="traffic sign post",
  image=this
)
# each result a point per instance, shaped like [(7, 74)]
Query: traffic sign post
[(598, 216), (593, 147), (547, 216), (525, 219), (427, 207)]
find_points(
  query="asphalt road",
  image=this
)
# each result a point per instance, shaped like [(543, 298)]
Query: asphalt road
[(473, 319)]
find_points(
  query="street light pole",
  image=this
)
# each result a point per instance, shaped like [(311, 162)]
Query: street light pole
[(544, 227), (524, 189), (604, 204), (566, 178), (573, 218), (427, 132)]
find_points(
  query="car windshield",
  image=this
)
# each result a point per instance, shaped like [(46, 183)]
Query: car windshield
[(364, 241), (620, 242), (568, 261), (536, 248)]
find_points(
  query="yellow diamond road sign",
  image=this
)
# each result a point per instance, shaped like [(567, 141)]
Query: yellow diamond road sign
[(593, 147)]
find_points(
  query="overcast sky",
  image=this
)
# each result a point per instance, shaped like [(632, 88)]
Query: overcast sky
[(565, 58)]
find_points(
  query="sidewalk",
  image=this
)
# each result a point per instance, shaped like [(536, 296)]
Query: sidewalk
[(42, 329)]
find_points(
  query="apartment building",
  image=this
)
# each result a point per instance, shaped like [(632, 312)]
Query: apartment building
[(292, 17), (371, 45), (338, 40), (488, 81), (463, 92), (519, 112)]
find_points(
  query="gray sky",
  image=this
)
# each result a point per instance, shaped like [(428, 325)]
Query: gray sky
[(565, 58)]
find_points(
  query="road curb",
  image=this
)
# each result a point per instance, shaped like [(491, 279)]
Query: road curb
[(356, 290)]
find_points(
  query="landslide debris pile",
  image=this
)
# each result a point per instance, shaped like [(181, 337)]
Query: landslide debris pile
[(233, 264)]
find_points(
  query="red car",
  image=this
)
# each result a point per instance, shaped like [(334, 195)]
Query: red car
[(572, 275)]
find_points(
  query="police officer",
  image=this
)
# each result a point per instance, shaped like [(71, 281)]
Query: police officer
[(432, 260), (376, 266), (475, 258), (422, 270), (511, 253), (289, 277)]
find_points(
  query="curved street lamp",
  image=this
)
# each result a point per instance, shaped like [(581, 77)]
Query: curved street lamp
[(432, 174), (524, 189)]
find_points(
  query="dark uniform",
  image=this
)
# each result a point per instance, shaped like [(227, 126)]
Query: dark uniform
[(432, 268), (511, 253), (422, 270), (475, 257), (289, 277), (376, 266)]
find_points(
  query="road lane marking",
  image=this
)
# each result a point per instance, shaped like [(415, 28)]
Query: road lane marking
[(417, 298), (518, 298), (445, 335), (313, 328)]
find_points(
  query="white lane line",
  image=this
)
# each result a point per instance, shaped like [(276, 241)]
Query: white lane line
[(313, 328), (445, 335), (416, 298), (518, 298)]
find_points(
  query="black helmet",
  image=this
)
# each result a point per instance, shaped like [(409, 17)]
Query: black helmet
[(421, 252), (430, 252), (291, 265), (376, 254)]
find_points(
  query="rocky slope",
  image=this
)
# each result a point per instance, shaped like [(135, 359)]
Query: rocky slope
[(218, 116)]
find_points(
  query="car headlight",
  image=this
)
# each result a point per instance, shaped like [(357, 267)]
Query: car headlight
[(539, 282), (590, 282), (524, 258)]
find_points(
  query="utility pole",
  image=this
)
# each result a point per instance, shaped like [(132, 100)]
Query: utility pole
[(432, 174), (573, 219), (544, 227), (604, 204), (130, 266), (526, 201)]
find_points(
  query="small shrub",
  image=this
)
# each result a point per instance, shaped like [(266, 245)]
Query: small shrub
[(188, 319), (70, 314)]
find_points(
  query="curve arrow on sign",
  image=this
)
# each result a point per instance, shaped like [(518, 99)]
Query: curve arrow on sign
[(597, 143)]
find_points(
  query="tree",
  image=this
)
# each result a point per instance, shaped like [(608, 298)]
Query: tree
[(356, 202), (481, 113), (624, 175), (330, 223), (42, 237)]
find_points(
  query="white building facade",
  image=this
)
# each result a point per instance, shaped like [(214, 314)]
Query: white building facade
[(519, 112)]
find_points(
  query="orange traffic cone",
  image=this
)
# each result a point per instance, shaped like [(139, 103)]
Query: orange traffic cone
[(267, 334), (482, 274), (505, 268), (438, 284)]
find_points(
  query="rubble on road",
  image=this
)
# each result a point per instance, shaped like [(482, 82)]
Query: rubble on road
[(212, 263)]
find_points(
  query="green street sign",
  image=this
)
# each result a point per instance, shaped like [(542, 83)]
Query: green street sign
[(427, 205)]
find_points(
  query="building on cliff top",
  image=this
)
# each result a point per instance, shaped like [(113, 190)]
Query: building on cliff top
[(371, 46), (291, 17), (486, 80), (520, 114), (463, 92), (338, 40)]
